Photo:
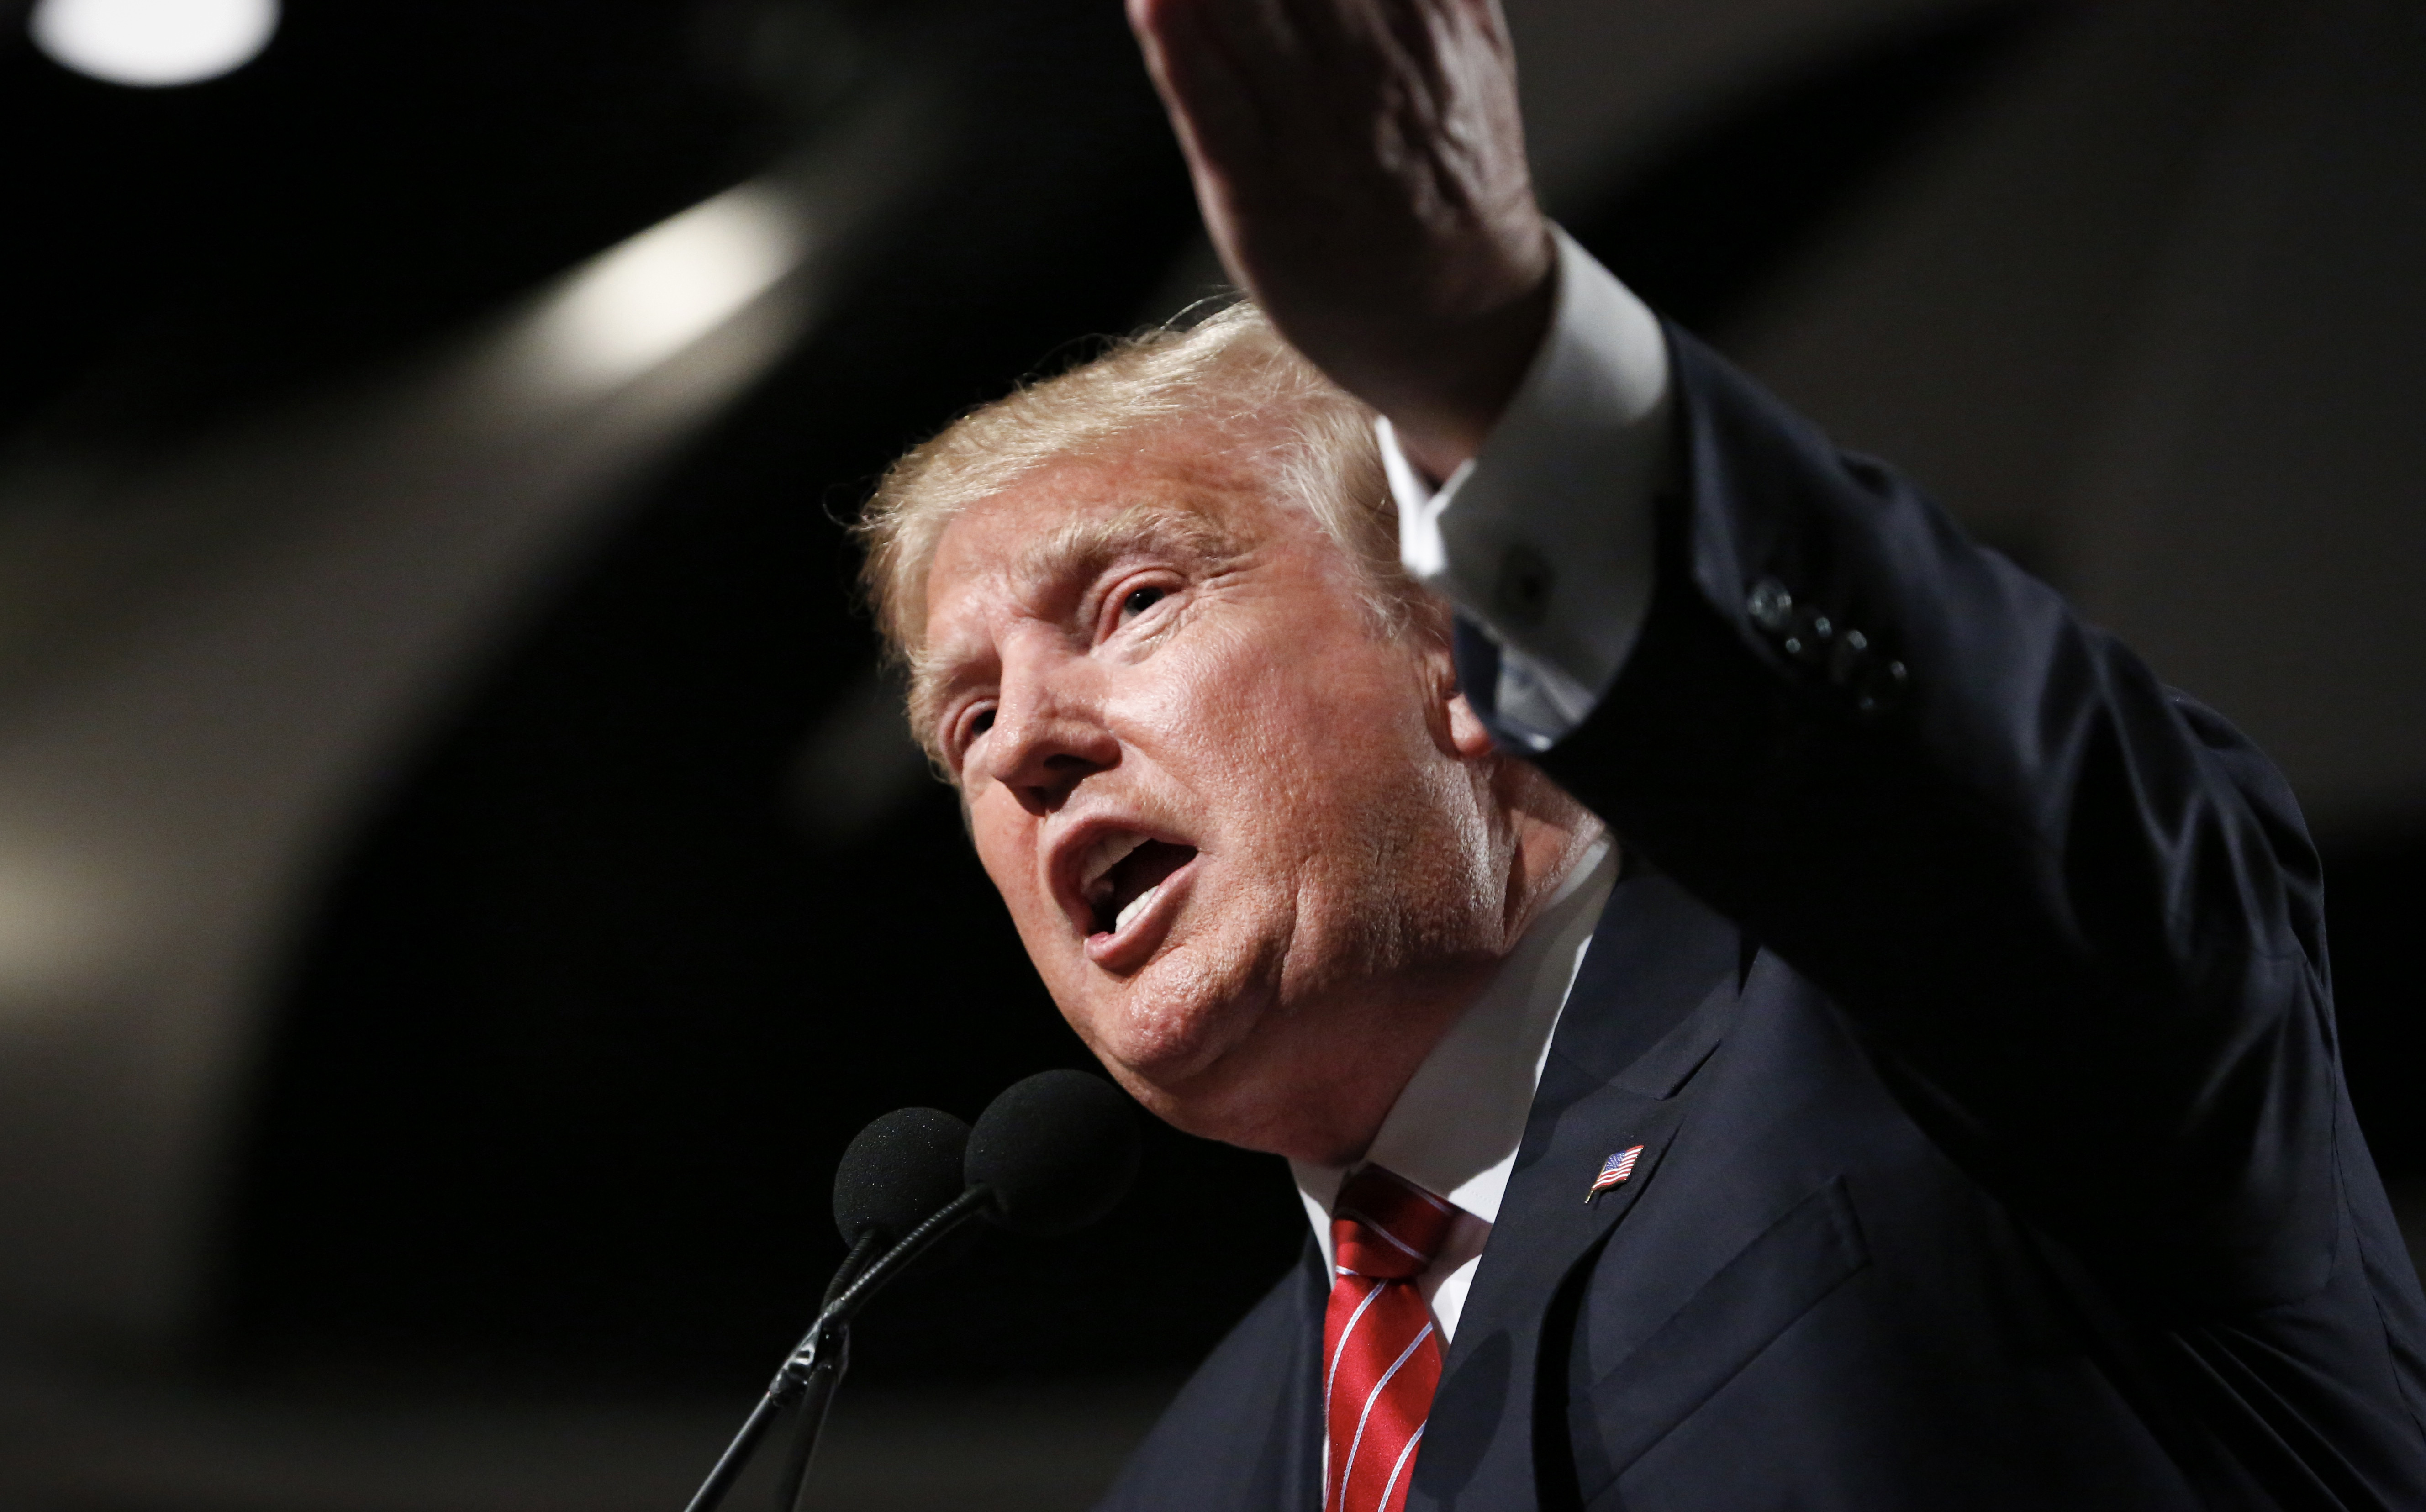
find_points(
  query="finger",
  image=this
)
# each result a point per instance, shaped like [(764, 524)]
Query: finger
[(1212, 112), (1269, 32), (1213, 105), (1258, 35)]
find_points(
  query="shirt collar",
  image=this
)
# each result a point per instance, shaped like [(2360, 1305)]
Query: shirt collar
[(1455, 1127)]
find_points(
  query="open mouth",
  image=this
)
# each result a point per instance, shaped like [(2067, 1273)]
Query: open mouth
[(1124, 876)]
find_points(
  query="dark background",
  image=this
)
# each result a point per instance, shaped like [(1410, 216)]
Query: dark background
[(561, 1055)]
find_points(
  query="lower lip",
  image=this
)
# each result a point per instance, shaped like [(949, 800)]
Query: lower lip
[(1134, 946)]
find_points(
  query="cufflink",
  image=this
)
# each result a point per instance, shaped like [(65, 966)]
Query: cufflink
[(1522, 594)]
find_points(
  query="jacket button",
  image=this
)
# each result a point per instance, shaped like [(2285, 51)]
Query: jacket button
[(1771, 606), (1522, 595), (1807, 641), (1853, 652), (1882, 687)]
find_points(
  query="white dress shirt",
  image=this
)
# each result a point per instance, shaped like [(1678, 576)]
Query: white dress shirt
[(1543, 539), (1561, 494)]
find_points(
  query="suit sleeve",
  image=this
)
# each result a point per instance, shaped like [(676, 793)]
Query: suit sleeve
[(2075, 916)]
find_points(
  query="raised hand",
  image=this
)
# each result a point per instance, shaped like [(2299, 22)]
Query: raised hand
[(1361, 165)]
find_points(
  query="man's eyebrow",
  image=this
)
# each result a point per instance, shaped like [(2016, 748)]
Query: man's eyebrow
[(1078, 548), (1086, 543)]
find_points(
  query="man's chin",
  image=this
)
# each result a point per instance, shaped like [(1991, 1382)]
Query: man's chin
[(1166, 1062), (1181, 1059), (1237, 1109), (1209, 1108), (1213, 1085)]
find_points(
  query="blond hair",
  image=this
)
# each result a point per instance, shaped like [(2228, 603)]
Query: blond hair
[(1230, 376)]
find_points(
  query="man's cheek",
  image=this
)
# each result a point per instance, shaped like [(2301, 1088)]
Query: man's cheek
[(1011, 870), (1044, 931)]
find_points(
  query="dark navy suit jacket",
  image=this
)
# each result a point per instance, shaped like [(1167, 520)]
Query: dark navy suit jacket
[(1967, 990)]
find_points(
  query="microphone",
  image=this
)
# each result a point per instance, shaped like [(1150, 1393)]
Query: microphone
[(896, 1172), (1057, 1151), (1052, 1153)]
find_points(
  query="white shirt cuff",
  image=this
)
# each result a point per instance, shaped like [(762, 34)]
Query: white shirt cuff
[(1544, 539)]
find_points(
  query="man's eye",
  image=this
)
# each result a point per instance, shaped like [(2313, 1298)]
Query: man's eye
[(959, 740), (1141, 600)]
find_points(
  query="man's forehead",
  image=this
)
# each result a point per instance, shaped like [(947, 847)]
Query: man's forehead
[(1072, 520)]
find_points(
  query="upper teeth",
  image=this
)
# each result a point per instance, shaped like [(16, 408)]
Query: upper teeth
[(1109, 852)]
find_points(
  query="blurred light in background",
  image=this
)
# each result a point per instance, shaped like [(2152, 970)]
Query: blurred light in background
[(61, 920), (638, 304), (153, 43)]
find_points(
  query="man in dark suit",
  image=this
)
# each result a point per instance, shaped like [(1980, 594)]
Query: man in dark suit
[(1804, 1020)]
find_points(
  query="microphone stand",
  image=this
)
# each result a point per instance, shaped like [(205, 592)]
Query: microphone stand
[(811, 1419), (815, 1367)]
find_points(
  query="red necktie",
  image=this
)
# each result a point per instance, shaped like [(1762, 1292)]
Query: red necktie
[(1380, 1359)]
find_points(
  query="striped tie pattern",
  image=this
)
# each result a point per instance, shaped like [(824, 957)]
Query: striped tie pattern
[(1381, 1357)]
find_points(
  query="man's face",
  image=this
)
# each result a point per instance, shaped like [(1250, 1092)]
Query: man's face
[(1245, 835)]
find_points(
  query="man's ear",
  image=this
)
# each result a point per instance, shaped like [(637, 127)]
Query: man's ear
[(1455, 724), (1467, 734)]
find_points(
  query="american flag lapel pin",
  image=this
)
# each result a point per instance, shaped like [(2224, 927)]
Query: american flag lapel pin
[(1613, 1172)]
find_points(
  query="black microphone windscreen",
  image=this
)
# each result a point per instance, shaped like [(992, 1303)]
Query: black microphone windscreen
[(1058, 1150), (899, 1172)]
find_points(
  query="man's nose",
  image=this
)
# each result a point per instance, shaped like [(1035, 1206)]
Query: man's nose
[(1049, 733)]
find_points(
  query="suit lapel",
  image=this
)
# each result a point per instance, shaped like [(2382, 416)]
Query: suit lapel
[(1656, 994), (1288, 1471)]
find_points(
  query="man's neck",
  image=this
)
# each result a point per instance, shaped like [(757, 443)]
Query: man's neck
[(1379, 1042), (1456, 1125), (1504, 1023)]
